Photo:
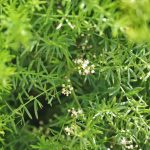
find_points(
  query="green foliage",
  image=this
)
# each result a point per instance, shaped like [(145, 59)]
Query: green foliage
[(74, 75), (5, 72), (135, 17)]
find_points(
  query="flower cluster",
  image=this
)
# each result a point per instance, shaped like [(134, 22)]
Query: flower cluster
[(66, 89), (75, 113), (72, 130), (69, 130), (84, 67), (127, 144)]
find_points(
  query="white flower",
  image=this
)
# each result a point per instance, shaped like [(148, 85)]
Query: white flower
[(85, 64), (87, 71), (92, 71), (131, 147), (94, 56), (68, 130), (66, 89), (80, 111), (84, 67), (80, 72), (75, 113), (124, 141), (71, 130), (78, 61)]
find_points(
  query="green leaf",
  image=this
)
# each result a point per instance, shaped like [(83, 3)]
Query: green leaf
[(134, 91), (28, 113)]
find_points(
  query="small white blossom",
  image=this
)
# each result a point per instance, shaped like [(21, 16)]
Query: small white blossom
[(124, 141), (94, 56), (66, 89), (131, 147), (84, 67), (92, 71), (78, 61), (75, 113), (128, 144), (71, 130), (80, 72), (68, 130), (86, 71), (80, 111), (85, 64)]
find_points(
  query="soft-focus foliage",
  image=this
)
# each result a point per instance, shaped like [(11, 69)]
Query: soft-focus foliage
[(5, 72), (74, 74), (135, 19)]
